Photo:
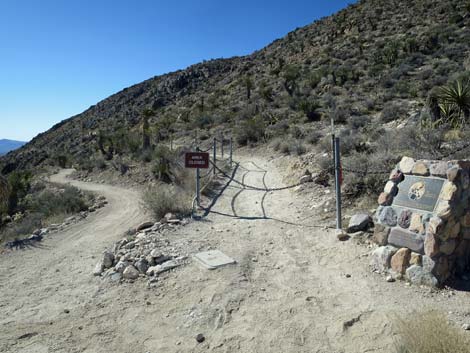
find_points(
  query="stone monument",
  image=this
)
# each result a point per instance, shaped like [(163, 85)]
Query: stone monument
[(423, 221)]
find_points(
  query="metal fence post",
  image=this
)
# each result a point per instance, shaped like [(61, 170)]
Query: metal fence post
[(222, 147), (198, 187), (231, 150), (215, 155), (338, 183)]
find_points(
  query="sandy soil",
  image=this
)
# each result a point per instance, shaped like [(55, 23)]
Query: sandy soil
[(295, 288)]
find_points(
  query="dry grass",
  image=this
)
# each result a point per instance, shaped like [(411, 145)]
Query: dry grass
[(429, 332), (164, 199)]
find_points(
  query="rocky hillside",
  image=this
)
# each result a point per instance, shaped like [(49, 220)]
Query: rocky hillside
[(368, 66)]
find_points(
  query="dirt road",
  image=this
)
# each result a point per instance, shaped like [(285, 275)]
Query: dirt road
[(295, 288)]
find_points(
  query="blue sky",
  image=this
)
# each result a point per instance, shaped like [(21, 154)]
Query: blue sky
[(58, 57)]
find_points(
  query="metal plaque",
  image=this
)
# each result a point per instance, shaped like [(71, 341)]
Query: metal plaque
[(419, 193)]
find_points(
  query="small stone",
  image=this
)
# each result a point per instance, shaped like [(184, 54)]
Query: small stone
[(420, 168), (453, 173), (441, 270), (396, 176), (200, 338), (108, 259), (388, 216), (341, 236), (431, 245), (385, 199), (381, 257), (381, 233), (416, 224), (144, 225), (404, 220), (406, 165), (348, 275), (99, 268), (360, 222), (449, 191), (67, 311), (391, 188), (142, 265), (115, 277), (121, 266), (155, 253), (415, 259), (390, 279), (400, 260), (466, 327), (130, 272)]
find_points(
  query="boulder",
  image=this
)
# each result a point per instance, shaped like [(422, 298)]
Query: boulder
[(381, 258), (420, 168), (385, 199), (406, 165), (418, 276), (360, 222), (401, 260), (387, 216), (381, 233), (431, 245), (404, 220), (130, 272), (306, 179)]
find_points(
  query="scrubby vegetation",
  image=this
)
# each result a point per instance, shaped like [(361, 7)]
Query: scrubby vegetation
[(165, 199), (429, 332), (392, 75), (28, 205)]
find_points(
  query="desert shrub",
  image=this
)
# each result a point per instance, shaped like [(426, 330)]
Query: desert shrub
[(250, 131), (163, 199), (100, 163), (313, 137), (297, 132), (428, 332), (25, 227), (357, 122), (310, 109), (164, 163), (19, 185), (48, 202), (393, 111)]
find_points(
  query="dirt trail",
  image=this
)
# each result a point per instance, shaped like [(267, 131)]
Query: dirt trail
[(295, 288)]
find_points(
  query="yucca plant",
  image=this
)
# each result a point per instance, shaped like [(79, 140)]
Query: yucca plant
[(456, 96)]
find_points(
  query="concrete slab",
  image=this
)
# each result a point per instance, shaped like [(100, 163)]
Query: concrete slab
[(213, 259)]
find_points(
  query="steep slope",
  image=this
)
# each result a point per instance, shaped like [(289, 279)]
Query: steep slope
[(375, 59)]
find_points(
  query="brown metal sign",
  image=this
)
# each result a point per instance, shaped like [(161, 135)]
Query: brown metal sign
[(420, 193), (196, 160)]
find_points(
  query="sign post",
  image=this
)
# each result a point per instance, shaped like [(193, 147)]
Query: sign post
[(197, 160), (338, 182)]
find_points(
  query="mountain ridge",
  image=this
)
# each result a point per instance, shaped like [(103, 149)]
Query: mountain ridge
[(354, 63)]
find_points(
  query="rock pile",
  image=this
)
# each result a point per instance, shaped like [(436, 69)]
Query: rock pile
[(424, 222), (147, 253)]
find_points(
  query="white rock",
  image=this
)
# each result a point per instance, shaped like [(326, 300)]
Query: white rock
[(130, 272), (99, 268)]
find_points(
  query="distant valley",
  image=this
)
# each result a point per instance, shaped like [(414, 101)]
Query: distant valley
[(9, 145)]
